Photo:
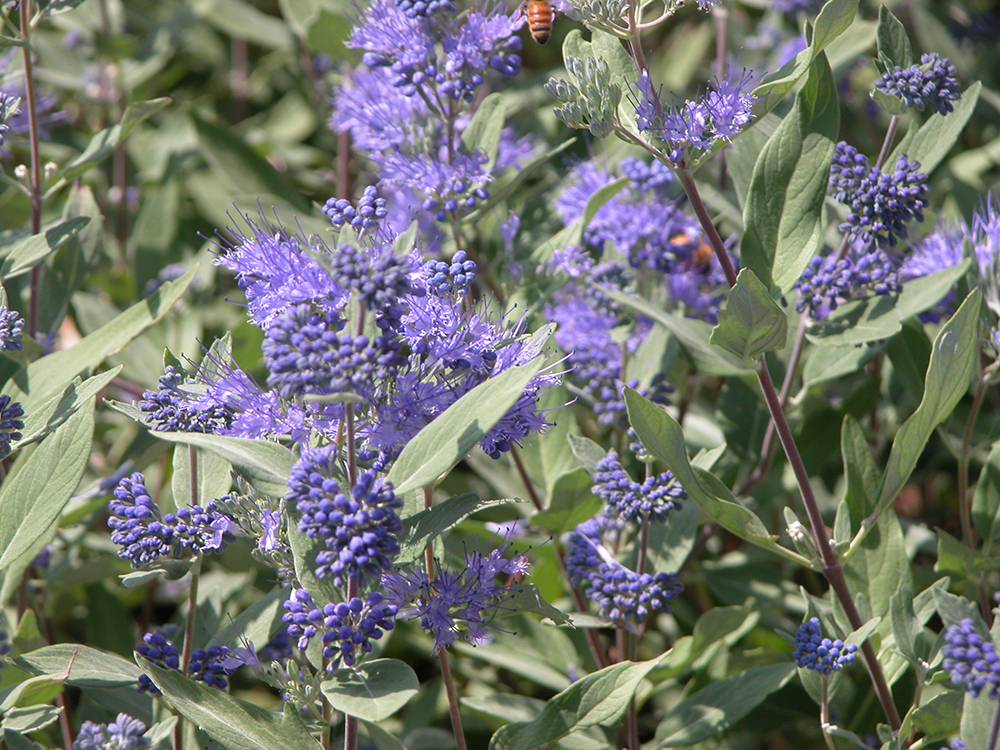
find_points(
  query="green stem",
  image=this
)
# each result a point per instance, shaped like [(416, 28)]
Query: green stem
[(964, 505), (824, 711), (188, 644), (31, 104)]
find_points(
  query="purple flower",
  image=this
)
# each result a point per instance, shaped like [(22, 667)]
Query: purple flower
[(124, 733), (11, 329), (275, 271), (424, 8), (827, 283), (358, 530), (933, 83), (881, 203), (213, 665), (370, 211), (652, 501), (621, 594), (465, 601), (177, 406), (812, 651), (347, 628), (932, 253), (145, 535), (971, 660), (5, 647), (10, 424)]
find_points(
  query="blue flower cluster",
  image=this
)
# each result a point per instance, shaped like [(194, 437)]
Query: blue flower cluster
[(278, 648), (5, 647), (652, 501), (11, 328), (971, 660), (812, 651), (304, 353), (11, 424), (359, 530), (213, 665), (348, 628), (622, 595), (720, 114), (934, 83), (370, 211), (124, 733), (452, 602), (881, 203), (826, 283), (176, 406), (424, 8), (454, 277), (8, 109), (145, 535)]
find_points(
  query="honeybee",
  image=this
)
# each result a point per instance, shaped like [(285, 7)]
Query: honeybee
[(541, 15), (701, 255)]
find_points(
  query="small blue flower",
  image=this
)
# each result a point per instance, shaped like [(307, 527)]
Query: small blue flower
[(451, 278), (11, 330), (176, 406), (453, 602), (934, 83), (358, 530), (651, 501), (379, 278), (826, 283), (10, 424), (425, 8), (5, 647), (213, 665), (957, 744), (348, 628), (881, 203), (370, 211), (971, 660), (145, 535), (812, 651), (622, 595), (124, 733)]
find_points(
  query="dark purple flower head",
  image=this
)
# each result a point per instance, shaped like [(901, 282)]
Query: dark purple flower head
[(933, 83), (5, 647), (453, 277), (812, 651), (881, 203), (146, 535), (11, 424), (213, 665), (347, 628), (827, 283), (370, 211), (124, 733), (358, 530), (621, 594), (378, 276), (170, 272), (9, 105), (306, 354), (181, 405), (452, 184), (11, 329), (971, 660), (651, 501), (453, 602), (425, 8)]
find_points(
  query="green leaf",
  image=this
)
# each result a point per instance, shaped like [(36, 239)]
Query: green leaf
[(18, 741), (693, 336), (242, 20), (940, 717), (952, 361), (104, 143), (421, 528), (857, 322), (751, 323), (27, 252), (714, 709), (828, 363), (30, 718), (833, 20), (956, 557), (599, 698), (876, 566), (88, 667), (372, 691), (783, 214), (30, 692), (527, 598), (572, 502), (932, 142), (231, 722), (906, 628), (910, 353), (986, 501), (383, 740), (445, 441), (58, 409), (859, 470), (925, 292), (587, 452), (300, 14), (893, 43), (264, 464), (483, 133), (49, 376), (663, 437), (36, 491), (213, 477), (235, 162)]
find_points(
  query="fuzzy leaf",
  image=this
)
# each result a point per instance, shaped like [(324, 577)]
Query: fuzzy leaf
[(372, 691), (933, 140), (751, 323)]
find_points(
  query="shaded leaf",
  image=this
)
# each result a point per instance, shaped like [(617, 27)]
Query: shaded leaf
[(372, 691)]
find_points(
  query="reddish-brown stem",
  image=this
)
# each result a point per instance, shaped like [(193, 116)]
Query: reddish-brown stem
[(31, 102), (449, 687)]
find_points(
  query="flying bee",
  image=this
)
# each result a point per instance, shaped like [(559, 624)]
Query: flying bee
[(541, 15)]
